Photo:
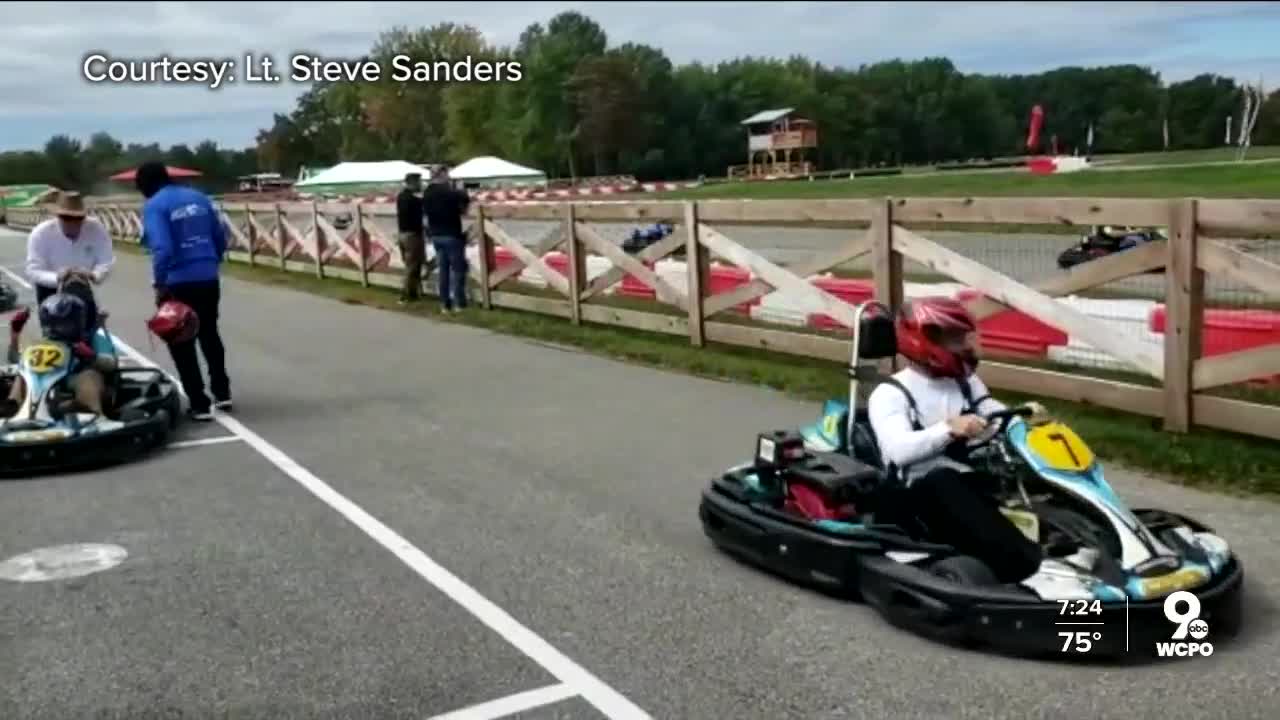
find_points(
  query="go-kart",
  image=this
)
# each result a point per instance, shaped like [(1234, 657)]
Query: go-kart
[(46, 433), (642, 238), (1102, 241), (818, 505)]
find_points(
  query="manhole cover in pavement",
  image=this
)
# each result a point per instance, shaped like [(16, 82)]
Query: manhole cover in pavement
[(61, 562)]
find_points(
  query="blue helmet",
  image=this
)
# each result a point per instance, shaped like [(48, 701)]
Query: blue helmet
[(63, 317)]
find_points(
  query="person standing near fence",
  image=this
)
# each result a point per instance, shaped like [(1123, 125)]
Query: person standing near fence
[(187, 243), (412, 236), (445, 206)]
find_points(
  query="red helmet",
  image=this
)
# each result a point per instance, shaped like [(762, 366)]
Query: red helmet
[(930, 334), (174, 322)]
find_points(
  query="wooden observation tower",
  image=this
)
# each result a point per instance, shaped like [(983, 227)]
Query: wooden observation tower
[(776, 145)]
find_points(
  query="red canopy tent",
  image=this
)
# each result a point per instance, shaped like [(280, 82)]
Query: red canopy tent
[(175, 172)]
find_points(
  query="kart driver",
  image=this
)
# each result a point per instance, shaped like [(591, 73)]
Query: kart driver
[(64, 318), (922, 417)]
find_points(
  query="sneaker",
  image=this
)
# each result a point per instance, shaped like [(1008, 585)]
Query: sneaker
[(199, 415), (222, 404)]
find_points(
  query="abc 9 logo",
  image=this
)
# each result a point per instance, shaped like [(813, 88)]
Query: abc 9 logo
[(1188, 622)]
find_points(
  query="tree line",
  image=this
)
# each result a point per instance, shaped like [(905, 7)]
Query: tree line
[(66, 162), (584, 107)]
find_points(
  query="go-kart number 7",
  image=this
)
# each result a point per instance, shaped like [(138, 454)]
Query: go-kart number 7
[(1061, 448), (43, 358)]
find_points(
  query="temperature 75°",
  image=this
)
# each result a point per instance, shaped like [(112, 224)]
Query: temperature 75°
[(1083, 640)]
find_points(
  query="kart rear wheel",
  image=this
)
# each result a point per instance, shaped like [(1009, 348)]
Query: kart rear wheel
[(964, 570), (1071, 257)]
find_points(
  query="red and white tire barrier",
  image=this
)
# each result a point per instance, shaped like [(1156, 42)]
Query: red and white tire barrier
[(517, 196), (1008, 333), (584, 191)]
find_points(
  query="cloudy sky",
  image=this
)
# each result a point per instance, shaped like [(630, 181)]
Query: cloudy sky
[(43, 92)]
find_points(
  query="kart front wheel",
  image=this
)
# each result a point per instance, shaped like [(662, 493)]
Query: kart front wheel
[(964, 570)]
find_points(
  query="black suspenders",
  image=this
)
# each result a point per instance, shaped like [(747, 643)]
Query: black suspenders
[(955, 448)]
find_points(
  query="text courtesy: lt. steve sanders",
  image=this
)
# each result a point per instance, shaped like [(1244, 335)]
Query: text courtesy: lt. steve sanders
[(99, 67)]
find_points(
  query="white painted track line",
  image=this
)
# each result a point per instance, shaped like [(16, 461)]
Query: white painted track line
[(512, 704), (205, 441), (573, 676)]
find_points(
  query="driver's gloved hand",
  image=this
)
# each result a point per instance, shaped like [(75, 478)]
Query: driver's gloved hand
[(19, 321), (84, 351), (966, 426), (1039, 413)]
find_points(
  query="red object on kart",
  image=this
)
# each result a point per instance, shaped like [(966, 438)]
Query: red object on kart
[(812, 505), (174, 322), (19, 320)]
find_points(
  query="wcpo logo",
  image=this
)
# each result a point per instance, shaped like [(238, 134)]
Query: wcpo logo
[(1189, 624)]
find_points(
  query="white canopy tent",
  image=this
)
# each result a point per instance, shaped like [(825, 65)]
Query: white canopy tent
[(354, 177), (489, 171)]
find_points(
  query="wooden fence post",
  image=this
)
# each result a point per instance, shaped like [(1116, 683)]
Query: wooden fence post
[(577, 264), (362, 244), (484, 256), (698, 265), (886, 264), (318, 234), (282, 236), (1184, 315), (252, 229)]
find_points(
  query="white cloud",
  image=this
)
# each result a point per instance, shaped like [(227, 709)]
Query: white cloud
[(42, 91)]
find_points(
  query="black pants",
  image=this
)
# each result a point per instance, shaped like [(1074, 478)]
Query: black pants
[(959, 512), (203, 297)]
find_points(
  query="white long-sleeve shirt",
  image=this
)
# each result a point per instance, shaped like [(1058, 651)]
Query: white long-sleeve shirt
[(937, 400), (50, 251)]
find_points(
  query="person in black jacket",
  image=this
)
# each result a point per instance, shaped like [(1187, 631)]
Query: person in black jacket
[(445, 207), (412, 238)]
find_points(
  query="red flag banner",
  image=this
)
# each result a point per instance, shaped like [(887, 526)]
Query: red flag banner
[(1037, 121)]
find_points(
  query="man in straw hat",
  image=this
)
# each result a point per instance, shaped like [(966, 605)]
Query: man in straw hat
[(70, 242)]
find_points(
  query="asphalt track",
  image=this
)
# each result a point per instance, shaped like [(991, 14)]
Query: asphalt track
[(289, 572)]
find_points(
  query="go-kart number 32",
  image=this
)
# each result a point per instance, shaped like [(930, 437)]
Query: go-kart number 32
[(43, 358)]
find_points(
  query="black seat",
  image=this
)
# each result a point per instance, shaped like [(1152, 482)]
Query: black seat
[(877, 340), (865, 447), (840, 477)]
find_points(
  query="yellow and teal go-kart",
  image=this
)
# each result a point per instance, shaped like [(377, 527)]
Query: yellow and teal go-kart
[(45, 432), (818, 505)]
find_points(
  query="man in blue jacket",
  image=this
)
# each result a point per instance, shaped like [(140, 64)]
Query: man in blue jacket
[(184, 234)]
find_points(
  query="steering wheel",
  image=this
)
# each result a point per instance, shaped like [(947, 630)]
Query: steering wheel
[(996, 423)]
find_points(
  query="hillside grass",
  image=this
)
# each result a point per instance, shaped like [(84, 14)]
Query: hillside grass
[(1261, 180), (1222, 461), (1175, 157)]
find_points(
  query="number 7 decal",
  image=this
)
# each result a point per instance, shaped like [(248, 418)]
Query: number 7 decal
[(1066, 444)]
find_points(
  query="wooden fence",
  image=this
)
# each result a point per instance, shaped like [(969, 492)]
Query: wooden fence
[(270, 234)]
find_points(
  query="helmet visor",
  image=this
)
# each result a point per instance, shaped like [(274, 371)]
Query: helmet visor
[(951, 339)]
